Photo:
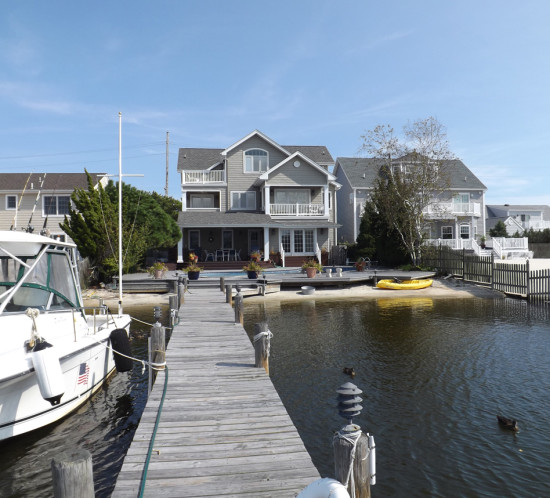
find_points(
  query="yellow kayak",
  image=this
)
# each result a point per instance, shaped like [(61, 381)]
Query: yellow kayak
[(404, 284)]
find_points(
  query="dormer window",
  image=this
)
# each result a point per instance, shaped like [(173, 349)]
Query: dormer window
[(255, 161)]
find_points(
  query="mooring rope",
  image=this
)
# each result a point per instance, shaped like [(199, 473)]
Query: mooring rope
[(260, 335), (352, 438)]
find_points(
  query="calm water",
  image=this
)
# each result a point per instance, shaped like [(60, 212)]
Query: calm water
[(105, 427), (434, 375)]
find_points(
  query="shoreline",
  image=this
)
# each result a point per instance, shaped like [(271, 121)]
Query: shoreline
[(440, 289)]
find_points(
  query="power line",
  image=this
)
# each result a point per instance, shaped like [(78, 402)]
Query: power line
[(53, 154)]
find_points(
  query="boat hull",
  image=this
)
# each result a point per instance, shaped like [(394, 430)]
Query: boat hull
[(404, 285), (86, 362)]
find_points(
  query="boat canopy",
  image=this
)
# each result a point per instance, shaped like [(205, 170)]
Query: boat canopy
[(44, 279)]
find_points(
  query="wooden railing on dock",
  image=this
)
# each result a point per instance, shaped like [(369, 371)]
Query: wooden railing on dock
[(223, 430)]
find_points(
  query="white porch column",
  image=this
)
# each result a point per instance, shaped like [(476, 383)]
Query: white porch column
[(326, 193), (184, 200), (180, 249), (266, 200), (266, 243)]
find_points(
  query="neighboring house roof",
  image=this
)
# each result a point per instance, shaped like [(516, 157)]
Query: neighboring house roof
[(511, 224), (503, 210), (15, 182), (362, 172), (194, 219)]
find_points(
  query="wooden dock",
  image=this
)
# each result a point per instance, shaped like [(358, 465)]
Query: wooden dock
[(223, 429)]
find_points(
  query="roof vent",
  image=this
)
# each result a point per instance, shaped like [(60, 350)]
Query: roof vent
[(364, 175)]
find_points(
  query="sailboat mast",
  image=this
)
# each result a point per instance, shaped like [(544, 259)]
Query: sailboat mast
[(120, 213)]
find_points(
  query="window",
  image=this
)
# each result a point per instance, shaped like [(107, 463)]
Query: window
[(255, 161), (292, 196), (446, 232), (11, 201), (243, 200), (464, 231), (56, 205), (201, 201), (300, 241)]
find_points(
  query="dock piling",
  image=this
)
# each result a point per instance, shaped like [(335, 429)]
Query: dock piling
[(262, 345), (73, 475)]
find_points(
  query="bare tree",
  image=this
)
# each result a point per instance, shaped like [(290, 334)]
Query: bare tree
[(412, 178)]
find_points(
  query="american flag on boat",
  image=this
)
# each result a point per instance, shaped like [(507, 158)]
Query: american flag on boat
[(83, 373)]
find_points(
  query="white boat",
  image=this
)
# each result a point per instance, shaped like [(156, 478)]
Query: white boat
[(53, 356)]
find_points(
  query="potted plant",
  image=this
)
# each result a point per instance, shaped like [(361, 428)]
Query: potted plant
[(252, 269), (193, 258), (360, 264), (256, 256), (312, 267), (193, 271), (157, 270), (482, 240)]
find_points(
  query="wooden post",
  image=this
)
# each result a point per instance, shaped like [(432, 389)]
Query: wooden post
[(158, 345), (229, 293), (262, 339), (239, 307), (351, 460), (73, 475), (222, 284)]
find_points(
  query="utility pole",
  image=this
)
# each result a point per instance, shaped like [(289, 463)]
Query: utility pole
[(167, 156)]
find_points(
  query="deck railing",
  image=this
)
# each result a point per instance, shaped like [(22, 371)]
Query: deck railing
[(205, 176), (297, 209), (442, 209)]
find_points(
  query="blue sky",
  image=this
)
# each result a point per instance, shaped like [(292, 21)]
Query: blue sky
[(303, 72)]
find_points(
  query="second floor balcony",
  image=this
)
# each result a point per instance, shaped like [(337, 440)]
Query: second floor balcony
[(446, 209), (203, 177), (297, 209)]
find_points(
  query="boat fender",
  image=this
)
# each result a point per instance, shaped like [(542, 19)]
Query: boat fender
[(324, 488), (121, 344), (48, 372)]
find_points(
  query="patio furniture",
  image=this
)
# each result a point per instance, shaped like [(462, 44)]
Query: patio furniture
[(208, 256)]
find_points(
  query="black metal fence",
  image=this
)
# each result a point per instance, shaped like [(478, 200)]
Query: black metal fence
[(511, 278)]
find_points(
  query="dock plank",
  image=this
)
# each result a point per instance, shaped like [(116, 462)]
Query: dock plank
[(223, 430)]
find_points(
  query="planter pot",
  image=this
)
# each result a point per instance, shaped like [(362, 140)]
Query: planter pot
[(159, 274), (311, 272), (360, 267), (193, 275), (252, 274)]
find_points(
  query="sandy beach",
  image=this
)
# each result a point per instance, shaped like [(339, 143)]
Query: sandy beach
[(441, 289)]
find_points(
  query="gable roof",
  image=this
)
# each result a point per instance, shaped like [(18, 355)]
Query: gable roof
[(265, 175), (361, 172), (250, 135), (205, 158), (15, 182)]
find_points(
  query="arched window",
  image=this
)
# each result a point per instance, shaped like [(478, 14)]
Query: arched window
[(255, 161)]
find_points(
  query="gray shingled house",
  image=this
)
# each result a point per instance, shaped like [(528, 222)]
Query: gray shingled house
[(518, 217), (40, 200), (457, 214), (257, 195)]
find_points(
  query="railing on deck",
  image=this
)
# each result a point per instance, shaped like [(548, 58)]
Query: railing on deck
[(297, 209), (204, 176)]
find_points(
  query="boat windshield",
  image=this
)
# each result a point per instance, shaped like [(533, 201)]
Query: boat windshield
[(46, 283)]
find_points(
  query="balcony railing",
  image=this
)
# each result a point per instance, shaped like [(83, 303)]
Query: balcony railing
[(442, 209), (535, 224), (206, 176), (297, 209)]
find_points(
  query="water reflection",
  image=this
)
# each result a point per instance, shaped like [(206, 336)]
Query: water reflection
[(104, 426), (434, 375)]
